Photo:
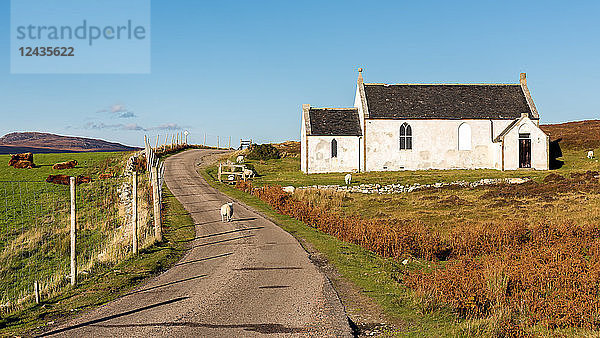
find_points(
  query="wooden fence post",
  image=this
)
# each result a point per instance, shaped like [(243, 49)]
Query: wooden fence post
[(156, 198), (36, 291), (219, 173), (73, 233), (134, 208)]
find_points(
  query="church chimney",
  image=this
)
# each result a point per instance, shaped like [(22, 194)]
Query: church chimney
[(523, 79)]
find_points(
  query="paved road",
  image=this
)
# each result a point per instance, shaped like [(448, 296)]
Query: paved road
[(244, 278)]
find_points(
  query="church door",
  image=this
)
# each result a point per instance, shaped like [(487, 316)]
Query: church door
[(524, 151)]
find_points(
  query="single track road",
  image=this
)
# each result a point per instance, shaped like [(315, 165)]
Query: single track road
[(243, 278)]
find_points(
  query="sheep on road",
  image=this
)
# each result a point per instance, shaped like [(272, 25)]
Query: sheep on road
[(227, 212)]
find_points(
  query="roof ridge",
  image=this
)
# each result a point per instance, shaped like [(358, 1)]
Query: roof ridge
[(333, 108), (442, 84)]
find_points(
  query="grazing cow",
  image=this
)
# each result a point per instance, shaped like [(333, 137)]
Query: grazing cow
[(240, 159), (20, 157), (58, 179), (590, 154), (83, 179), (227, 212), (348, 179), (249, 173), (21, 164), (66, 180), (105, 176), (65, 165)]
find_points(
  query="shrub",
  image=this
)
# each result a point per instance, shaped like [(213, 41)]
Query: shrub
[(262, 152), (518, 273)]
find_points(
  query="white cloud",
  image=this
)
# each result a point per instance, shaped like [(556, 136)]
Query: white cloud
[(130, 126), (118, 111), (168, 126)]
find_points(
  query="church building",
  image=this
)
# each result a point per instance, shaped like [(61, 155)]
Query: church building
[(426, 126)]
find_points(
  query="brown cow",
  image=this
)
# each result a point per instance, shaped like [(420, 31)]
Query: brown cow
[(83, 179), (66, 180), (59, 179), (23, 164), (105, 176), (20, 157), (65, 165)]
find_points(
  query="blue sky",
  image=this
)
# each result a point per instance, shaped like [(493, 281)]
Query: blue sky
[(244, 68)]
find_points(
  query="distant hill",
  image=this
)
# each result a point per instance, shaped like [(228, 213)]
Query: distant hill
[(575, 135), (50, 143)]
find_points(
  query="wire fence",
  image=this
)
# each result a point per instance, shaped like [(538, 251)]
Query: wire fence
[(35, 232)]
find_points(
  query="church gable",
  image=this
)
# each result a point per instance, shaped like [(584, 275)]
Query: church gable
[(334, 122), (441, 101)]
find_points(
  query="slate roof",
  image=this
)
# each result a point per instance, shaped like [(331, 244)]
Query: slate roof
[(334, 122), (443, 101)]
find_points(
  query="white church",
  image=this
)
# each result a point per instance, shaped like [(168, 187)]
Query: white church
[(426, 126)]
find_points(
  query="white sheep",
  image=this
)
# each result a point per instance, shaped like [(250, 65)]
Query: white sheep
[(348, 179), (227, 212), (289, 189), (249, 173), (590, 154), (240, 159)]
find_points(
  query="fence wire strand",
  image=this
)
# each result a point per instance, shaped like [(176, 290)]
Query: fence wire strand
[(35, 232)]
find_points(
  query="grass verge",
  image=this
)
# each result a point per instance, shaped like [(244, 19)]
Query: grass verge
[(109, 282)]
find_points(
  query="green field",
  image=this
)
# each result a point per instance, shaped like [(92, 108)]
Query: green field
[(89, 164), (286, 171)]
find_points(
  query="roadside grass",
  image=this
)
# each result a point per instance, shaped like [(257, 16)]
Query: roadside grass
[(286, 171), (109, 282)]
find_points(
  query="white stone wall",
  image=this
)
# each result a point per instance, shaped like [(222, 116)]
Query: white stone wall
[(303, 147), (434, 145), (319, 154), (498, 126), (539, 146)]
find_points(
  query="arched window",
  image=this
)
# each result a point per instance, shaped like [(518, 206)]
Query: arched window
[(405, 136), (464, 137), (333, 148)]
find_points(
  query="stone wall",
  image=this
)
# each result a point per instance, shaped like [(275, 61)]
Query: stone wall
[(399, 188)]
